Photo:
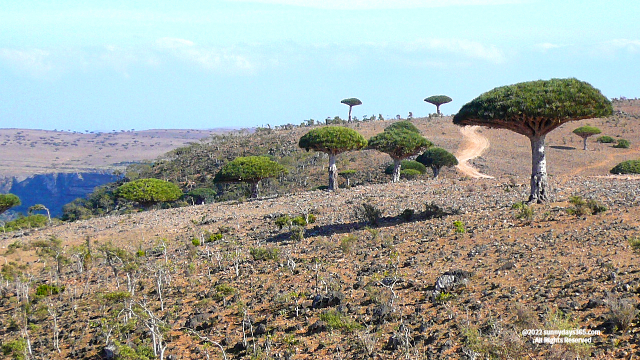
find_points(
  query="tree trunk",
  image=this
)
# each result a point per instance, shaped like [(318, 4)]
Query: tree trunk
[(436, 171), (539, 182), (333, 172), (396, 170), (585, 143), (255, 189), (438, 110), (350, 107)]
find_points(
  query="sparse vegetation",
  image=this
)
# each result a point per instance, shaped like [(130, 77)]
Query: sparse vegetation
[(622, 144)]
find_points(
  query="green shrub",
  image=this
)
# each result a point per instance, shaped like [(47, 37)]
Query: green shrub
[(409, 174), (605, 139), (407, 165), (195, 242), (635, 243), (27, 222), (524, 211), (627, 167), (224, 290), (347, 243), (582, 207), (369, 213), (265, 253), (15, 348), (459, 227), (48, 290), (622, 144), (339, 321), (297, 233), (116, 296)]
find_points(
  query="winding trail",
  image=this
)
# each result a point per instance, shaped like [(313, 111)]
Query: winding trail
[(472, 146)]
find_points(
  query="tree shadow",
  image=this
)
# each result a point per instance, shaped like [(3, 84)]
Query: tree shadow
[(559, 147), (431, 212)]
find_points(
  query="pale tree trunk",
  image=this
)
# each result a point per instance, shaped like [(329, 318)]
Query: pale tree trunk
[(539, 182), (397, 164), (585, 143), (350, 107), (438, 109), (255, 187), (333, 172)]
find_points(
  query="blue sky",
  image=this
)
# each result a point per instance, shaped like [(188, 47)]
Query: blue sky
[(122, 64)]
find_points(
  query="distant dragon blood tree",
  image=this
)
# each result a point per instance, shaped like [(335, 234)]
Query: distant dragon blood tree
[(351, 102), (437, 158), (399, 142), (438, 100), (585, 132), (148, 192), (534, 109), (332, 140), (250, 169)]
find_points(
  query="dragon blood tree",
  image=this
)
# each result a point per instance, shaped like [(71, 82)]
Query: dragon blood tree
[(332, 140), (534, 109), (438, 100)]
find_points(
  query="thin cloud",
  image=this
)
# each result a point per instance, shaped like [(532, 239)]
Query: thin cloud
[(467, 48), (210, 58), (381, 4), (35, 62), (631, 46)]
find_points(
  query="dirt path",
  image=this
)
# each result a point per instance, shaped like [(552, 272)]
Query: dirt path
[(472, 146)]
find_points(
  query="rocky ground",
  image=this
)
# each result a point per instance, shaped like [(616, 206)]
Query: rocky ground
[(346, 288), (424, 269)]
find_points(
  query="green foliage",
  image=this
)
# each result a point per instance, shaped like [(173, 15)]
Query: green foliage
[(116, 296), (402, 125), (7, 201), (586, 131), (458, 226), (347, 173), (149, 191), (339, 321), (126, 352), (16, 348), (332, 140), (437, 158), (249, 169), (202, 195), (407, 165), (513, 106), (443, 297), (27, 222), (399, 143), (223, 290), (582, 207), (438, 99), (48, 290), (409, 174), (633, 242), (369, 213), (195, 241), (525, 211), (100, 202), (265, 253), (283, 221), (627, 167), (605, 139), (347, 243), (351, 102), (622, 144)]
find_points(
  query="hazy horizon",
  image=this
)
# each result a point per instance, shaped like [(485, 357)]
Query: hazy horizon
[(248, 63)]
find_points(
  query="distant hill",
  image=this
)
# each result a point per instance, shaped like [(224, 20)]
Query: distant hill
[(25, 152)]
